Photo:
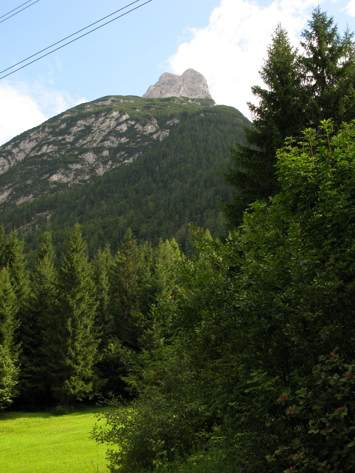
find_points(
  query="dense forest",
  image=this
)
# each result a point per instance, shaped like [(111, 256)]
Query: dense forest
[(239, 356), (158, 195)]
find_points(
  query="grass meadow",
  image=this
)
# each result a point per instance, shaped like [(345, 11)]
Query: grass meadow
[(44, 443)]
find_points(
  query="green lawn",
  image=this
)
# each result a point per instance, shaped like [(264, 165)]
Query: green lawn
[(43, 443)]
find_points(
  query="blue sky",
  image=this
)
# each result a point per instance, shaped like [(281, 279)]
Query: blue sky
[(225, 40)]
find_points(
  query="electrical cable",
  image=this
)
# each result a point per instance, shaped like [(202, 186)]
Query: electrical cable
[(73, 40), (67, 37), (28, 6), (8, 13)]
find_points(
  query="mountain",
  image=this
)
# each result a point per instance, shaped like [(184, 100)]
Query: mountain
[(190, 84), (150, 164)]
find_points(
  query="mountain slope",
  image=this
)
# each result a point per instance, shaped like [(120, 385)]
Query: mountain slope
[(174, 181), (85, 142)]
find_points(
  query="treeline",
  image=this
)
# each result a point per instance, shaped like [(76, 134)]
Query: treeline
[(65, 326)]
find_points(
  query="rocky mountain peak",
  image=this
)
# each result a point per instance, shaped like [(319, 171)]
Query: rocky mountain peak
[(190, 84)]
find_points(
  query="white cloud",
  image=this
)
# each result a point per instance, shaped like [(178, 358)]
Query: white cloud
[(350, 8), (230, 50), (19, 112), (25, 106)]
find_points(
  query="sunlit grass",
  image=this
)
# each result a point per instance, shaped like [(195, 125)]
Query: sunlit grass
[(43, 443)]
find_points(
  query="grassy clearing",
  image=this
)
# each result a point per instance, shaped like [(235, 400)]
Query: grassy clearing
[(43, 443)]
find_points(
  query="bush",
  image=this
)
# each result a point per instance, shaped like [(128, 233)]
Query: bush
[(322, 414)]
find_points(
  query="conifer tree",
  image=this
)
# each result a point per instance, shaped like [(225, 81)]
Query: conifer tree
[(126, 289), (74, 340), (131, 294), (8, 350), (329, 70), (2, 246), (16, 287), (279, 114), (38, 330), (13, 258), (102, 265), (301, 91)]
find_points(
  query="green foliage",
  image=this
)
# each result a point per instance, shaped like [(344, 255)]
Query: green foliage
[(157, 195), (37, 331), (74, 340), (279, 114), (9, 369), (162, 425), (301, 91), (320, 412), (329, 70), (246, 322)]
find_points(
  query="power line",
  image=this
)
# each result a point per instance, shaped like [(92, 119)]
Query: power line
[(67, 37), (73, 40), (8, 13), (28, 6)]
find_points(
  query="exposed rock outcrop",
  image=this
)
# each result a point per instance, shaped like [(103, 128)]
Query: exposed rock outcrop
[(190, 84)]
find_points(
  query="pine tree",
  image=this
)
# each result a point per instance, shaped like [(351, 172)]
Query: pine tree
[(2, 246), (125, 288), (75, 340), (301, 91), (38, 330), (329, 70), (8, 350), (14, 259), (279, 114), (102, 265)]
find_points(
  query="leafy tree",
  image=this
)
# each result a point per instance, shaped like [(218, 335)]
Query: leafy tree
[(75, 340), (320, 413)]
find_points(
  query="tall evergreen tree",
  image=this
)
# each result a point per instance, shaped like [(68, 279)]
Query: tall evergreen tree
[(301, 91), (14, 259), (37, 332), (8, 350), (279, 114), (130, 288), (15, 295), (74, 340), (329, 70), (102, 265)]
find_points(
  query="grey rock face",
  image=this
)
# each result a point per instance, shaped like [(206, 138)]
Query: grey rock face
[(190, 84)]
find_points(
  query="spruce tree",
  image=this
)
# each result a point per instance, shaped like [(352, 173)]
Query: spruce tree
[(14, 259), (102, 265), (329, 70), (301, 91), (279, 114), (74, 340), (124, 290), (8, 350), (38, 331)]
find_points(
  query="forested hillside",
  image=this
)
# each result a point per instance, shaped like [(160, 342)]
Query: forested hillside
[(158, 195)]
